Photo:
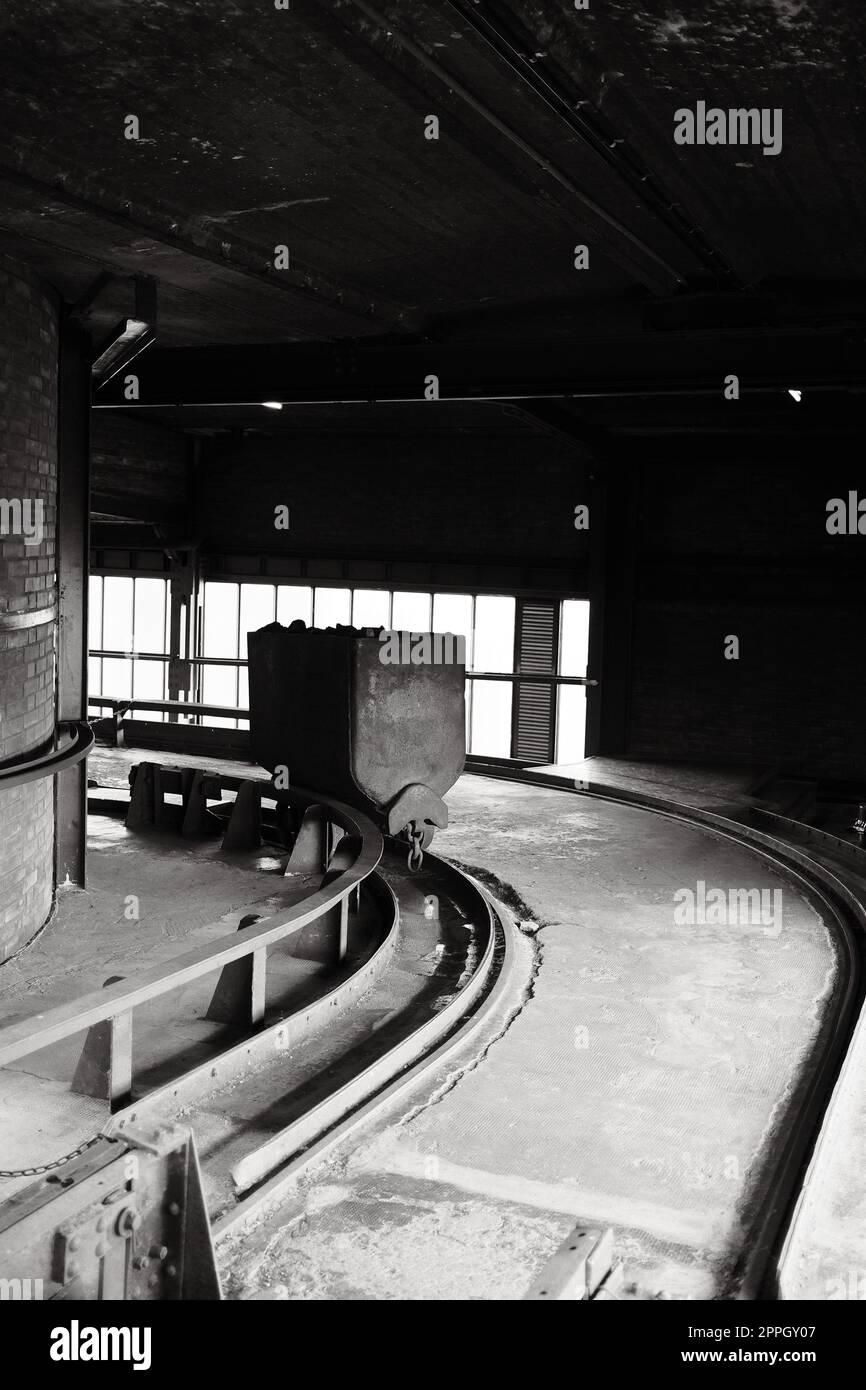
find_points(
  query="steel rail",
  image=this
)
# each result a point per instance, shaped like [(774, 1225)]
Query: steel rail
[(758, 1270), (399, 1091), (74, 742), (41, 1030), (233, 1063), (242, 663), (34, 617), (272, 1168), (256, 1166), (644, 263), (558, 92), (392, 1072)]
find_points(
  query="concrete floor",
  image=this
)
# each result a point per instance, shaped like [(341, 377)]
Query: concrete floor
[(635, 1073), (826, 1259), (185, 895), (637, 1080), (690, 784)]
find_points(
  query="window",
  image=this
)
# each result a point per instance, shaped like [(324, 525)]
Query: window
[(571, 705), (294, 601), (332, 606), (410, 612), (493, 652), (371, 608), (487, 622), (128, 638), (230, 612)]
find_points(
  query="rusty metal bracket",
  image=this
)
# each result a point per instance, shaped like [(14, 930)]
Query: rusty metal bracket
[(239, 997), (310, 851), (244, 830), (126, 1220), (142, 793), (104, 1068), (197, 787)]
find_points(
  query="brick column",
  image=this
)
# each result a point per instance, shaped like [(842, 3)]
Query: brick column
[(28, 593)]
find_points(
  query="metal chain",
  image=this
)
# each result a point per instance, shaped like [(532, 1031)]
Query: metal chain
[(416, 854), (47, 1167)]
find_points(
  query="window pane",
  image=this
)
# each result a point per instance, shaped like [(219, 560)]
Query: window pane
[(149, 635), (187, 718), (94, 616), (148, 683), (571, 724), (491, 718), (333, 606), (220, 620), (148, 680), (243, 694), (294, 601), (257, 610), (219, 687), (370, 608), (94, 676), (116, 678), (494, 635), (453, 613), (117, 615), (411, 613), (574, 642)]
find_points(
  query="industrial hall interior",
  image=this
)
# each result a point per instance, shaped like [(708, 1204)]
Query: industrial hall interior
[(432, 738)]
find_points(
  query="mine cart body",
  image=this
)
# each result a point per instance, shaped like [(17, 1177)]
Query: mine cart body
[(386, 736)]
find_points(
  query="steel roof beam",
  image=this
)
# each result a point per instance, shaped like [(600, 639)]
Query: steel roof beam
[(650, 364)]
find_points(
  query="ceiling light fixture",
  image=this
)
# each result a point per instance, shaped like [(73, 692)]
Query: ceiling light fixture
[(130, 336)]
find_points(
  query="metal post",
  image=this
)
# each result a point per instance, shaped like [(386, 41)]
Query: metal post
[(105, 1066), (181, 623), (614, 542), (73, 561), (343, 940)]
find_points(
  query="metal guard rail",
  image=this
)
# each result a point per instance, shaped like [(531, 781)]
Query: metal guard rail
[(74, 742), (116, 1002)]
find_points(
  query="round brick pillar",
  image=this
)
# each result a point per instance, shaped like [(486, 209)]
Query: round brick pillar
[(28, 594)]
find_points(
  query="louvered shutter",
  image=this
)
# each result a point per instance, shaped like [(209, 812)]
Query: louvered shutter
[(534, 712)]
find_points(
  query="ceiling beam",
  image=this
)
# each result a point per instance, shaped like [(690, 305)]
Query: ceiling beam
[(167, 228), (650, 364), (559, 422), (535, 71), (621, 246)]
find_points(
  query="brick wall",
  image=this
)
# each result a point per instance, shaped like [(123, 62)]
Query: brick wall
[(26, 862), (28, 473)]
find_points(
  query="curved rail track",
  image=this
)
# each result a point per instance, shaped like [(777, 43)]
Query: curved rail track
[(438, 951), (402, 961), (831, 873)]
